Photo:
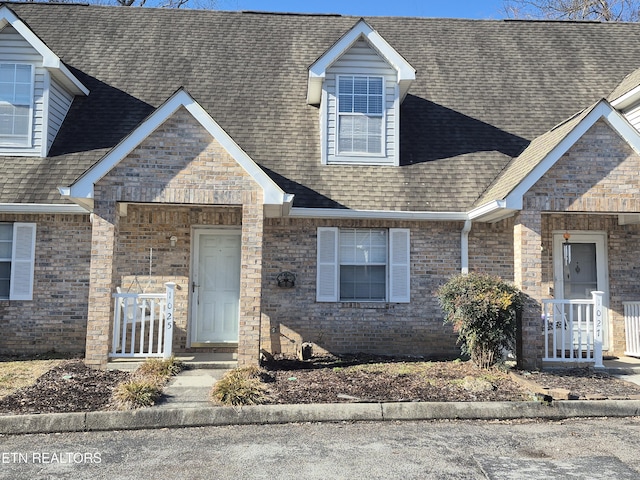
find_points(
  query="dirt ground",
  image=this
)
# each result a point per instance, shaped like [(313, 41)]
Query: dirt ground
[(365, 379), (73, 387)]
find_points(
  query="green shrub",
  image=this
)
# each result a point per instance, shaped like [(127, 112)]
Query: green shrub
[(240, 386), (483, 310), (136, 393)]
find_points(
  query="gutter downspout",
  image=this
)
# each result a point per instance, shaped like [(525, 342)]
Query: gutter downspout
[(464, 247)]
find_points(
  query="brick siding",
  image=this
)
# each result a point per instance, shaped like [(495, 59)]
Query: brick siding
[(292, 315), (55, 320), (181, 167)]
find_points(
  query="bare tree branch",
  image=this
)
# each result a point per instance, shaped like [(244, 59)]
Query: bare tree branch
[(600, 10)]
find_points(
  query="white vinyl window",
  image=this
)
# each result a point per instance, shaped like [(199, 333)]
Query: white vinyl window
[(360, 115), (363, 265), (16, 98), (17, 253)]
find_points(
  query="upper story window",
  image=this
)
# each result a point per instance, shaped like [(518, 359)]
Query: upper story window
[(16, 98), (360, 115)]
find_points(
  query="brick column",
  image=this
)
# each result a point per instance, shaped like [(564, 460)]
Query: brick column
[(527, 239), (250, 284), (101, 283)]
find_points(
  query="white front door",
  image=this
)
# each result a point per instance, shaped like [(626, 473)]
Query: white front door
[(215, 286), (580, 267)]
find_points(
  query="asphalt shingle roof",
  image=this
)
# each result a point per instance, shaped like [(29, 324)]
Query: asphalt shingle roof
[(483, 91)]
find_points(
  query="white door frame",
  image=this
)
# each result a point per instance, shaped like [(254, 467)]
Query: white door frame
[(599, 238), (196, 234)]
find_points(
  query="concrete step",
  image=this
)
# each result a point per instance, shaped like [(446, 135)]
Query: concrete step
[(191, 361)]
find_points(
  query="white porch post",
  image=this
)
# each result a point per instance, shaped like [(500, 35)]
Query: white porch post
[(598, 318), (168, 321)]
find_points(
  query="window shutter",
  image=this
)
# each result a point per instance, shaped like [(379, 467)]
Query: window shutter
[(399, 265), (22, 261), (327, 281)]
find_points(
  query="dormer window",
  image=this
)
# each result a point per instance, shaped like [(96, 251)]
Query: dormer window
[(359, 84), (16, 99), (360, 115)]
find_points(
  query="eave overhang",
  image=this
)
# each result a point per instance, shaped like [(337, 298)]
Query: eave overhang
[(406, 74), (50, 60)]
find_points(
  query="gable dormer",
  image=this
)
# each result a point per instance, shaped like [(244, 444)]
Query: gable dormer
[(36, 90), (359, 84)]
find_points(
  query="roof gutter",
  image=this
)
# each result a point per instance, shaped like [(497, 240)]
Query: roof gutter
[(347, 213), (464, 247), (42, 208)]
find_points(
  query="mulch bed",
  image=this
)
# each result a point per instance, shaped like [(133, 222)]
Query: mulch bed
[(69, 387), (335, 380), (364, 379), (73, 387), (585, 383)]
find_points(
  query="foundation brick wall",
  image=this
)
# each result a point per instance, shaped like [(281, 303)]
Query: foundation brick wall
[(55, 320), (292, 316), (176, 170)]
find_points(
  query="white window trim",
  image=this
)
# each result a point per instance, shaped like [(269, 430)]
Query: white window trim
[(383, 137), (29, 138), (398, 266), (22, 261)]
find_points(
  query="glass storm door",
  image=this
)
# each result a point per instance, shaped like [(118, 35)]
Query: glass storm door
[(580, 267)]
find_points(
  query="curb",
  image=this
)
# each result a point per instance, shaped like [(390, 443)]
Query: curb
[(150, 418)]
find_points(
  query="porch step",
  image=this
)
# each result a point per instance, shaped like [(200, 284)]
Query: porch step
[(622, 366), (191, 361)]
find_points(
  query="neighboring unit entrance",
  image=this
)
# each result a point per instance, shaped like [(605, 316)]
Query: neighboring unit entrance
[(215, 287), (580, 267)]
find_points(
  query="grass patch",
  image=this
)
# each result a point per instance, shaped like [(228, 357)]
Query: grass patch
[(240, 386), (19, 373), (136, 393), (158, 370)]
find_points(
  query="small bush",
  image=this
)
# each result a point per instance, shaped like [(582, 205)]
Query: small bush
[(145, 386), (240, 386), (483, 310), (137, 393), (158, 370)]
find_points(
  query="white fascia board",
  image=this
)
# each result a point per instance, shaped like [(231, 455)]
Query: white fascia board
[(338, 213), (50, 60), (405, 72), (602, 109), (42, 208), (489, 211), (83, 187), (626, 100)]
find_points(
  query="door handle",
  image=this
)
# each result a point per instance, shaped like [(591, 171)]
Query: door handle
[(193, 287)]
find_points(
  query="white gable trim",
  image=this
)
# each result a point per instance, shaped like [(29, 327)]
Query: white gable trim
[(83, 187), (317, 71), (602, 109), (50, 60)]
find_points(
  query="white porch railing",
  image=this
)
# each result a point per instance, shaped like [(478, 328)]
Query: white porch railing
[(632, 328), (143, 324), (573, 330)]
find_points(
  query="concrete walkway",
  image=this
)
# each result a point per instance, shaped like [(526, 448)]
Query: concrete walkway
[(190, 388)]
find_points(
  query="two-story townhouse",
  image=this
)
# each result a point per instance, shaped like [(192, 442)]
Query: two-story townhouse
[(311, 179)]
